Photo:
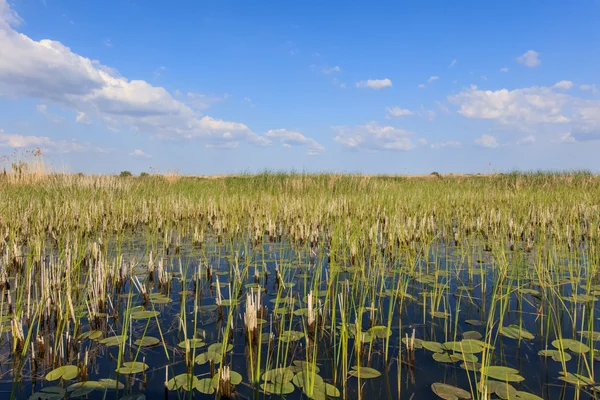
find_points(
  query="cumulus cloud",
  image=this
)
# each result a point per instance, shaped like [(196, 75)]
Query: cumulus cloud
[(373, 137), (374, 83), (49, 71), (137, 153), (530, 59), (398, 112), (487, 141), (528, 108), (289, 138), (566, 85), (16, 141)]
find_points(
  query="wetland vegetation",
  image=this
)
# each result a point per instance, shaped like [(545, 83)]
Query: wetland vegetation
[(299, 286)]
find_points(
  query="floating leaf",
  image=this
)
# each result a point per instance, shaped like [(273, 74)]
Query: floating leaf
[(502, 389), (364, 372), (449, 392), (144, 315), (474, 322), (182, 381), (575, 379), (132, 367), (574, 345), (556, 355), (472, 335), (418, 343), (278, 375), (147, 341), (291, 336), (304, 366), (66, 372), (279, 388), (515, 332), (504, 374), (49, 393), (446, 358), (380, 331), (218, 347), (302, 378), (205, 386), (114, 340), (212, 356), (433, 346), (192, 343)]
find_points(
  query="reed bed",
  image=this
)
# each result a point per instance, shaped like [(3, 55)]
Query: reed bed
[(298, 285)]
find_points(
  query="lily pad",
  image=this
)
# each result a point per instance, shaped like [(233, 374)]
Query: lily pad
[(132, 367), (364, 372), (515, 332), (147, 341), (114, 340), (574, 345), (205, 386), (49, 393), (449, 392), (504, 374), (279, 388), (138, 315), (182, 381), (66, 372)]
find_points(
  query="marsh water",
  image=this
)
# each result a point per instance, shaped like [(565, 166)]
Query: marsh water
[(439, 293)]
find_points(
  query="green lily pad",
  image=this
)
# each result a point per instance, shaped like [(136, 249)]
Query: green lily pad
[(446, 358), (205, 386), (114, 340), (574, 345), (192, 343), (504, 374), (527, 396), (501, 389), (183, 381), (380, 331), (49, 393), (66, 372), (147, 341), (449, 392), (138, 315), (218, 348), (279, 388), (209, 356), (278, 375), (364, 372), (515, 332), (302, 378), (433, 346), (556, 355), (291, 336), (132, 367)]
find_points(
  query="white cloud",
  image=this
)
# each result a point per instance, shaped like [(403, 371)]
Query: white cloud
[(452, 64), (487, 141), (82, 118), (398, 112), (49, 71), (107, 43), (373, 137), (530, 59), (446, 144), (289, 138), (421, 85), (137, 153), (527, 109), (505, 69), (526, 140), (429, 114), (432, 79), (566, 85), (528, 105), (16, 141), (374, 83), (43, 109), (328, 70)]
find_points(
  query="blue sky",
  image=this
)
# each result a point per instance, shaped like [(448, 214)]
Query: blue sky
[(373, 87)]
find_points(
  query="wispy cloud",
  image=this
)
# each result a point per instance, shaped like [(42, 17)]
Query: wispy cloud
[(331, 70), (452, 64), (16, 141)]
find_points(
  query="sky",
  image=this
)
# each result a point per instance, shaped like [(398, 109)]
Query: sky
[(216, 87)]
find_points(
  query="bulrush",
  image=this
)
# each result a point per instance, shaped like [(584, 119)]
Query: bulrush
[(252, 312)]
